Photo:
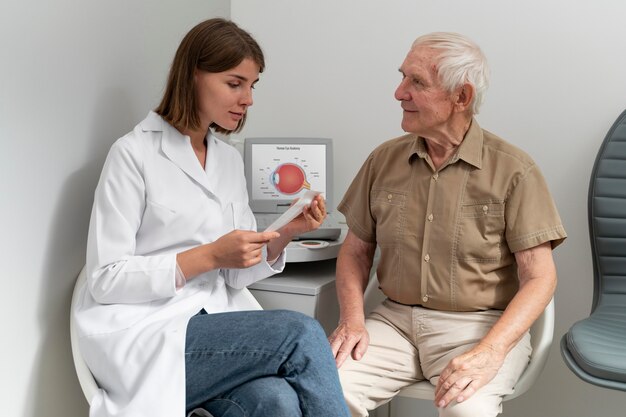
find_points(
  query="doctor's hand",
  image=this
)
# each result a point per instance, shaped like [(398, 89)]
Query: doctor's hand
[(238, 249), (467, 373), (349, 338), (311, 218)]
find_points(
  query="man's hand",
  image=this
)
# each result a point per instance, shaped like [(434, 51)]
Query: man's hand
[(466, 374), (237, 249), (349, 338)]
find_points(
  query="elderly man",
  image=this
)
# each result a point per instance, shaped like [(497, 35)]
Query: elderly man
[(466, 226)]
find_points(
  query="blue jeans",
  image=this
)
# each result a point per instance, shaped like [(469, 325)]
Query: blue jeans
[(261, 364)]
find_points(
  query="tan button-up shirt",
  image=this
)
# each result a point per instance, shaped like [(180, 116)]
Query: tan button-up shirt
[(447, 236)]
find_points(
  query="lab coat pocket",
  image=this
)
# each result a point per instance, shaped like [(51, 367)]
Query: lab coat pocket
[(243, 219), (158, 213), (169, 225)]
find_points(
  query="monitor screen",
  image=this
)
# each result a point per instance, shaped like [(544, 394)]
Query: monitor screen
[(279, 170)]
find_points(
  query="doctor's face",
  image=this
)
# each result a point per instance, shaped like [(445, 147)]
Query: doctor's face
[(224, 97)]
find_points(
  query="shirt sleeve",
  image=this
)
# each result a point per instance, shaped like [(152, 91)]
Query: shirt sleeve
[(115, 274), (180, 278), (531, 214), (355, 205)]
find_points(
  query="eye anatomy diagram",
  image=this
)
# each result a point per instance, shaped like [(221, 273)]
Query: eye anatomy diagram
[(289, 178), (288, 171)]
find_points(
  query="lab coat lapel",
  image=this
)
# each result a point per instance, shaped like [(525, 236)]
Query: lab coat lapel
[(177, 148)]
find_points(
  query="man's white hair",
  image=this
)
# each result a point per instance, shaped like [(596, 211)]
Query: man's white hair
[(460, 61)]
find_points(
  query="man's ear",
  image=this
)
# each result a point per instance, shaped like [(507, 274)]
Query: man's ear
[(464, 97)]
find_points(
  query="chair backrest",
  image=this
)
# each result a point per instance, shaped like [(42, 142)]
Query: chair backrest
[(607, 214), (85, 378), (541, 332)]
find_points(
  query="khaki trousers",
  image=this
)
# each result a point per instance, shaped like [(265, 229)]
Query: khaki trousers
[(410, 344)]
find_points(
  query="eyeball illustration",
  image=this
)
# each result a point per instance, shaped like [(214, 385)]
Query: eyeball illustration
[(289, 178)]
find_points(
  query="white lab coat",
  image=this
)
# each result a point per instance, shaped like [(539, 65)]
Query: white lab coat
[(153, 201)]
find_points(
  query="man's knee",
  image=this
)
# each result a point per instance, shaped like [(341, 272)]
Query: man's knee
[(475, 406), (355, 389), (355, 404)]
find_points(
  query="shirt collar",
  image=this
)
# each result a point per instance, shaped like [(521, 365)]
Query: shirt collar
[(470, 150)]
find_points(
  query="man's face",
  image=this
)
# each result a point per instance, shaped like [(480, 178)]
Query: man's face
[(427, 107)]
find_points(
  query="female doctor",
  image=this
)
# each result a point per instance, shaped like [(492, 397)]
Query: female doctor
[(172, 246)]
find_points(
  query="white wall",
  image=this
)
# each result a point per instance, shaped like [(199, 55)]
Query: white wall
[(557, 86), (74, 76)]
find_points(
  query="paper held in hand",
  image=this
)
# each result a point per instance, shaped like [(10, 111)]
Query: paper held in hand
[(293, 211)]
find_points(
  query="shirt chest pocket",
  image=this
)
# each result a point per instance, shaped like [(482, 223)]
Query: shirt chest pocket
[(481, 231), (388, 210)]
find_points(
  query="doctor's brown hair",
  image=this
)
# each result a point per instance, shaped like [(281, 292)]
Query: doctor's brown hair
[(215, 45)]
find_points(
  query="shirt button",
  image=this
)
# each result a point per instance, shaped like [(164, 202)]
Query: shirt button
[(430, 217), (389, 197), (427, 257), (425, 298), (436, 176), (485, 209)]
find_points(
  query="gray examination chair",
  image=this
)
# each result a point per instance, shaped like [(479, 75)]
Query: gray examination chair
[(595, 348)]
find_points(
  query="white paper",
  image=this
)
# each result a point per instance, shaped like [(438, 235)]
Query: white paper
[(293, 211)]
